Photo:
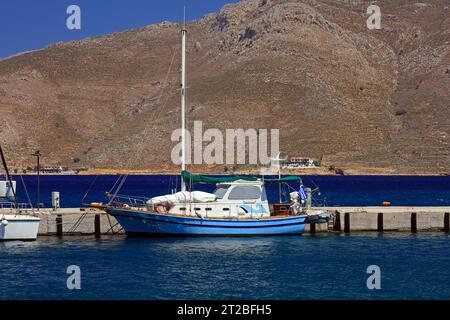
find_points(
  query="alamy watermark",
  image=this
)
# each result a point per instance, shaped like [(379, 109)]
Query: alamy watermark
[(374, 20), (374, 280), (74, 279), (73, 22), (236, 146)]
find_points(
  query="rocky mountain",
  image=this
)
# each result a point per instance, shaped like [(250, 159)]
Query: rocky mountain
[(354, 97)]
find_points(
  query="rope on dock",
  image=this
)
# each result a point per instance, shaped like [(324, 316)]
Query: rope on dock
[(78, 222), (111, 229)]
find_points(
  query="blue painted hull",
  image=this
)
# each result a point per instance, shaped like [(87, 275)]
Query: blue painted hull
[(139, 223)]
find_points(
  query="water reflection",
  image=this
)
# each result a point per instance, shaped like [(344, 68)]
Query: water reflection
[(319, 266)]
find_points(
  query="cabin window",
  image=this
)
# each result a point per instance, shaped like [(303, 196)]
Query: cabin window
[(263, 195), (220, 191), (245, 193)]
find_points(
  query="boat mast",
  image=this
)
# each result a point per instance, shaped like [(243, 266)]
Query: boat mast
[(183, 101), (279, 177), (278, 160), (8, 176)]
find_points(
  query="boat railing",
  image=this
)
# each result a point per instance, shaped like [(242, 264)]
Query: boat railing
[(122, 200), (13, 205), (319, 202)]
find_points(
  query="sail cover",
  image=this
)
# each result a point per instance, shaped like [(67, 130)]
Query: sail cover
[(197, 178)]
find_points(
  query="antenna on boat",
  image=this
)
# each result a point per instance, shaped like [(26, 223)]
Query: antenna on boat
[(183, 99), (278, 159)]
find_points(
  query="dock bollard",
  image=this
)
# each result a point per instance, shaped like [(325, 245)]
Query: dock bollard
[(414, 222), (59, 225), (97, 225), (347, 222), (312, 228), (380, 226), (447, 222), (337, 222)]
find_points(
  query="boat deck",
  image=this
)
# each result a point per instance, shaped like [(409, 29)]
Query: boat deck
[(140, 210)]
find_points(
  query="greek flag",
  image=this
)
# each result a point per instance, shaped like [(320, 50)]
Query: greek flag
[(302, 192)]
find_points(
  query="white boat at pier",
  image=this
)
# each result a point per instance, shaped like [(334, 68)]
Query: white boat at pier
[(16, 223)]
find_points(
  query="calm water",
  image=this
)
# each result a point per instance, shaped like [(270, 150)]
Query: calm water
[(291, 267), (338, 190)]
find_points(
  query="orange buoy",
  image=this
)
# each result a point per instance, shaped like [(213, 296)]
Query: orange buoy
[(386, 203)]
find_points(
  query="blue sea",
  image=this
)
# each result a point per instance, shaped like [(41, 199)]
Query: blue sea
[(334, 190), (322, 266), (287, 267)]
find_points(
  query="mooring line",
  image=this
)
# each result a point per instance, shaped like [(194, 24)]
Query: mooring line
[(90, 188)]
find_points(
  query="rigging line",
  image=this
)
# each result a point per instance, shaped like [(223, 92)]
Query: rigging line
[(169, 185), (115, 183), (121, 183), (167, 96), (118, 188), (158, 101), (28, 196), (317, 187), (89, 189), (163, 107), (5, 166)]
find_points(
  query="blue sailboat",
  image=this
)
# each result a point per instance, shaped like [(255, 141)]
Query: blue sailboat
[(138, 223), (238, 206)]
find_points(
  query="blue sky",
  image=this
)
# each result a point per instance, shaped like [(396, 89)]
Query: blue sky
[(34, 24)]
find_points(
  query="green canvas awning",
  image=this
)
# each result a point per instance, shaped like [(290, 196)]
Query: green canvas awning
[(284, 179), (197, 178)]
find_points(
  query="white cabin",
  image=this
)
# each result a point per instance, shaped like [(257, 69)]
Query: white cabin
[(238, 199)]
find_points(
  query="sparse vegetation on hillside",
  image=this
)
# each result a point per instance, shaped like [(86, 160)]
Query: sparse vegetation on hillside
[(309, 68)]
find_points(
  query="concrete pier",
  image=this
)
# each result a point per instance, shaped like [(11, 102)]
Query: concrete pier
[(411, 219), (76, 221)]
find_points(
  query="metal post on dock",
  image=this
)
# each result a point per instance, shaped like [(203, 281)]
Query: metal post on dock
[(380, 226), (337, 221), (55, 200), (347, 222), (59, 225), (414, 222), (447, 222), (97, 225)]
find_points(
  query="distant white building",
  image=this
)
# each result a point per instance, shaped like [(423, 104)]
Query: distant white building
[(298, 163), (52, 169)]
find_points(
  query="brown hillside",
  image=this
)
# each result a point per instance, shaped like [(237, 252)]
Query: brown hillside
[(336, 90)]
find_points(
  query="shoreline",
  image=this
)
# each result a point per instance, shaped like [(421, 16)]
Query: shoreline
[(237, 173)]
